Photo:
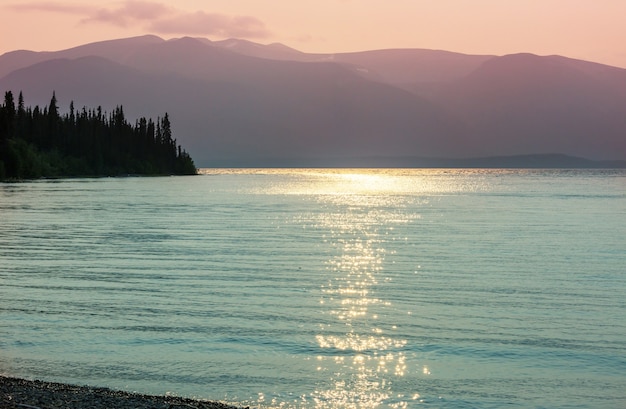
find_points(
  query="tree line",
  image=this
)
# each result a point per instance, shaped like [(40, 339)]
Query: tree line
[(40, 142)]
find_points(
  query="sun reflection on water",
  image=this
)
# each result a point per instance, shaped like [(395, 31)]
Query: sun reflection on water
[(350, 186), (362, 359)]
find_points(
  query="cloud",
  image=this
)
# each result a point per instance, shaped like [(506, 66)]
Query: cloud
[(201, 23), (52, 7), (303, 38), (155, 17), (129, 13)]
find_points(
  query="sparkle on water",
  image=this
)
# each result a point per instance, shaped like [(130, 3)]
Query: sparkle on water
[(381, 332)]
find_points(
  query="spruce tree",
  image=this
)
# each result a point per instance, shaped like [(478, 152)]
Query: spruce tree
[(40, 142)]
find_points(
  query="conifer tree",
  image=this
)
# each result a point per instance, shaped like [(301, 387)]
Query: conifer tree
[(53, 110), (40, 142)]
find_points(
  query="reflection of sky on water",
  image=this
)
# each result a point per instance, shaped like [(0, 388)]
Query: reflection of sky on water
[(351, 186), (363, 359), (336, 289)]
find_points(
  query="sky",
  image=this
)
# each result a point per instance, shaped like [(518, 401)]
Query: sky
[(591, 30)]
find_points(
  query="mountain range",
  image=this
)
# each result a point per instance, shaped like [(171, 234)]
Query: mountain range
[(239, 103)]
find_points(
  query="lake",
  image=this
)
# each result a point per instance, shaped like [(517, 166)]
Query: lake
[(322, 288)]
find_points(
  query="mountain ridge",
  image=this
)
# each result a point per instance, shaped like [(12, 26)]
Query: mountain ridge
[(237, 101)]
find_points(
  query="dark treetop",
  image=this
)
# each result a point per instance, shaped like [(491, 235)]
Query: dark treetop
[(36, 142)]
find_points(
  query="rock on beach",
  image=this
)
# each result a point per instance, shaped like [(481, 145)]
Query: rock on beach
[(24, 394)]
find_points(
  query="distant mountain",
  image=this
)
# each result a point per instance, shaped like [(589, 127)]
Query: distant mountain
[(523, 102), (238, 103), (400, 67), (115, 50), (275, 51)]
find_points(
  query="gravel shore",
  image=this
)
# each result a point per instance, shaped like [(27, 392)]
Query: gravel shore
[(23, 394)]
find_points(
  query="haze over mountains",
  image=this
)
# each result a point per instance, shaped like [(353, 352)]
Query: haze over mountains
[(238, 103)]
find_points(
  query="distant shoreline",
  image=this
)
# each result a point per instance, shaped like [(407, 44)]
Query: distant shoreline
[(62, 177), (533, 161), (16, 393)]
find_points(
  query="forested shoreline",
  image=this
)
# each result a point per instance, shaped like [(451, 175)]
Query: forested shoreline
[(40, 142)]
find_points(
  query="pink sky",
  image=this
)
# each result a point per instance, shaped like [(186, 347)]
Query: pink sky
[(592, 30)]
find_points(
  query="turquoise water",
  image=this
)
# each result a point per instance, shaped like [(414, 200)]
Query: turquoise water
[(323, 288)]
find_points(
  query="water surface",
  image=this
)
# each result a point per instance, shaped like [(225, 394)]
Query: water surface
[(322, 288)]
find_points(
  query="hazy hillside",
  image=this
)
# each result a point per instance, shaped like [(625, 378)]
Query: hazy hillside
[(237, 103), (400, 67), (115, 50), (525, 103)]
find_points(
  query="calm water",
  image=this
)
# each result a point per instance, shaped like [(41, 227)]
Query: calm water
[(323, 289)]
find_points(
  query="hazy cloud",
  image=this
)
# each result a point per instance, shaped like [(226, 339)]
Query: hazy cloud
[(303, 38), (53, 7), (155, 17), (211, 23), (129, 13)]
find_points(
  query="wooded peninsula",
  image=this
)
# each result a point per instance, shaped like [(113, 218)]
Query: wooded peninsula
[(40, 142)]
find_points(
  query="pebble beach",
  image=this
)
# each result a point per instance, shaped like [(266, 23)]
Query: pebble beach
[(25, 394)]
